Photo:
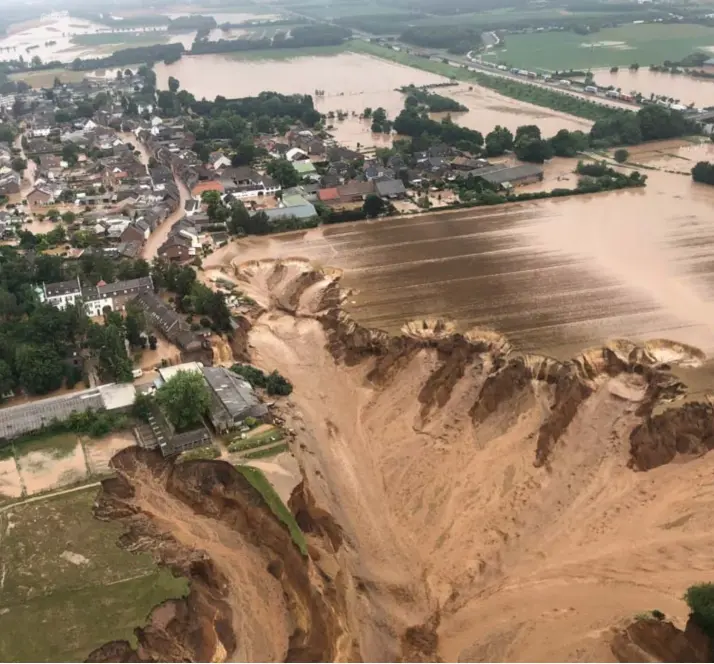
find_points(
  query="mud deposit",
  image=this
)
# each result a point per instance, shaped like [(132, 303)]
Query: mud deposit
[(462, 500)]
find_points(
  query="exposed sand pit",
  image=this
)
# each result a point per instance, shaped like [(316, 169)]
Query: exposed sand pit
[(10, 482), (425, 457), (99, 452), (45, 469)]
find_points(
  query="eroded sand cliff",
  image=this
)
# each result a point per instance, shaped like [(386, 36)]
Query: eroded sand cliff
[(462, 501)]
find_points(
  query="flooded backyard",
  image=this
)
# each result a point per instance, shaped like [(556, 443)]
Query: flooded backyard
[(554, 276)]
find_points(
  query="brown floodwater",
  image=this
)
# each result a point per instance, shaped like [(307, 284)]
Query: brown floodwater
[(554, 276), (688, 90), (353, 82)]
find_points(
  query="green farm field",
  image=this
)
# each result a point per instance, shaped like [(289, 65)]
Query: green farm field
[(645, 44), (67, 588)]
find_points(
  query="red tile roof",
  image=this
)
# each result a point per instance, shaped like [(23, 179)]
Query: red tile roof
[(209, 185), (330, 194)]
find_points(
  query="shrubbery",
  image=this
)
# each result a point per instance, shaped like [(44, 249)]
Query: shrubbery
[(700, 600), (273, 383)]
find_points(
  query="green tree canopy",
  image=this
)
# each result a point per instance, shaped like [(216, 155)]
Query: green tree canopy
[(284, 172), (498, 141), (373, 205), (185, 399)]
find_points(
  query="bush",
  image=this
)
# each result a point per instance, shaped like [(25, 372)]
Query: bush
[(621, 156), (700, 599), (277, 384)]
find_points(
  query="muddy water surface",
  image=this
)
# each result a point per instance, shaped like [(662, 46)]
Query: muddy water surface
[(353, 82), (555, 276), (687, 89)]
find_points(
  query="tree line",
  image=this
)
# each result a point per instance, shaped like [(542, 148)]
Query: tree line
[(300, 37)]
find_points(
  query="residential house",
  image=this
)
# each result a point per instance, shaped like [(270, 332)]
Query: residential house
[(244, 182), (391, 189), (95, 298), (209, 185), (306, 169), (9, 183), (296, 154), (218, 160), (139, 231), (176, 249), (355, 191), (39, 196), (191, 207), (50, 164), (292, 205), (173, 327)]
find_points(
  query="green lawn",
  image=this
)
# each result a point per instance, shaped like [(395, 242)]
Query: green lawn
[(67, 588), (277, 506), (267, 452), (645, 44)]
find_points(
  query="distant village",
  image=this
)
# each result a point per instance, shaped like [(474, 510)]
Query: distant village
[(89, 175)]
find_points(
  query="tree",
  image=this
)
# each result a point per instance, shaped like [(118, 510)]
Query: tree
[(277, 384), (703, 172), (18, 164), (284, 172), (211, 197), (7, 380), (498, 141), (107, 344), (373, 205), (536, 150), (70, 153), (174, 84), (239, 221), (128, 73), (153, 342), (53, 214), (568, 143), (134, 324), (68, 217), (700, 600), (40, 369), (367, 113), (621, 156), (245, 154), (184, 398)]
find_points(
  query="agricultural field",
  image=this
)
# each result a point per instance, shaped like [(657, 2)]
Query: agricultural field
[(76, 590), (45, 77), (644, 44)]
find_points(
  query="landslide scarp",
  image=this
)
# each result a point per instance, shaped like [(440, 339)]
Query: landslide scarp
[(253, 595)]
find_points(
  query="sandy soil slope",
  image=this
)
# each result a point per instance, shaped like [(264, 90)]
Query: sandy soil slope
[(492, 499)]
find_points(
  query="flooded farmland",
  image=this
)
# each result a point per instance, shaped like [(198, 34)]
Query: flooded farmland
[(352, 82), (686, 89), (554, 276)]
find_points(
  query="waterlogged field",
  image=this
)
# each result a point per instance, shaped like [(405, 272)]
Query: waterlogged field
[(74, 590), (644, 44), (553, 276)]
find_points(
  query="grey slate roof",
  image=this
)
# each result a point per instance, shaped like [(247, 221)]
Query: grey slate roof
[(390, 188), (235, 395), (498, 174)]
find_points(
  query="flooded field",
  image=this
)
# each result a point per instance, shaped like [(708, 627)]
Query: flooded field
[(39, 34), (351, 83), (554, 276), (686, 89), (48, 463)]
